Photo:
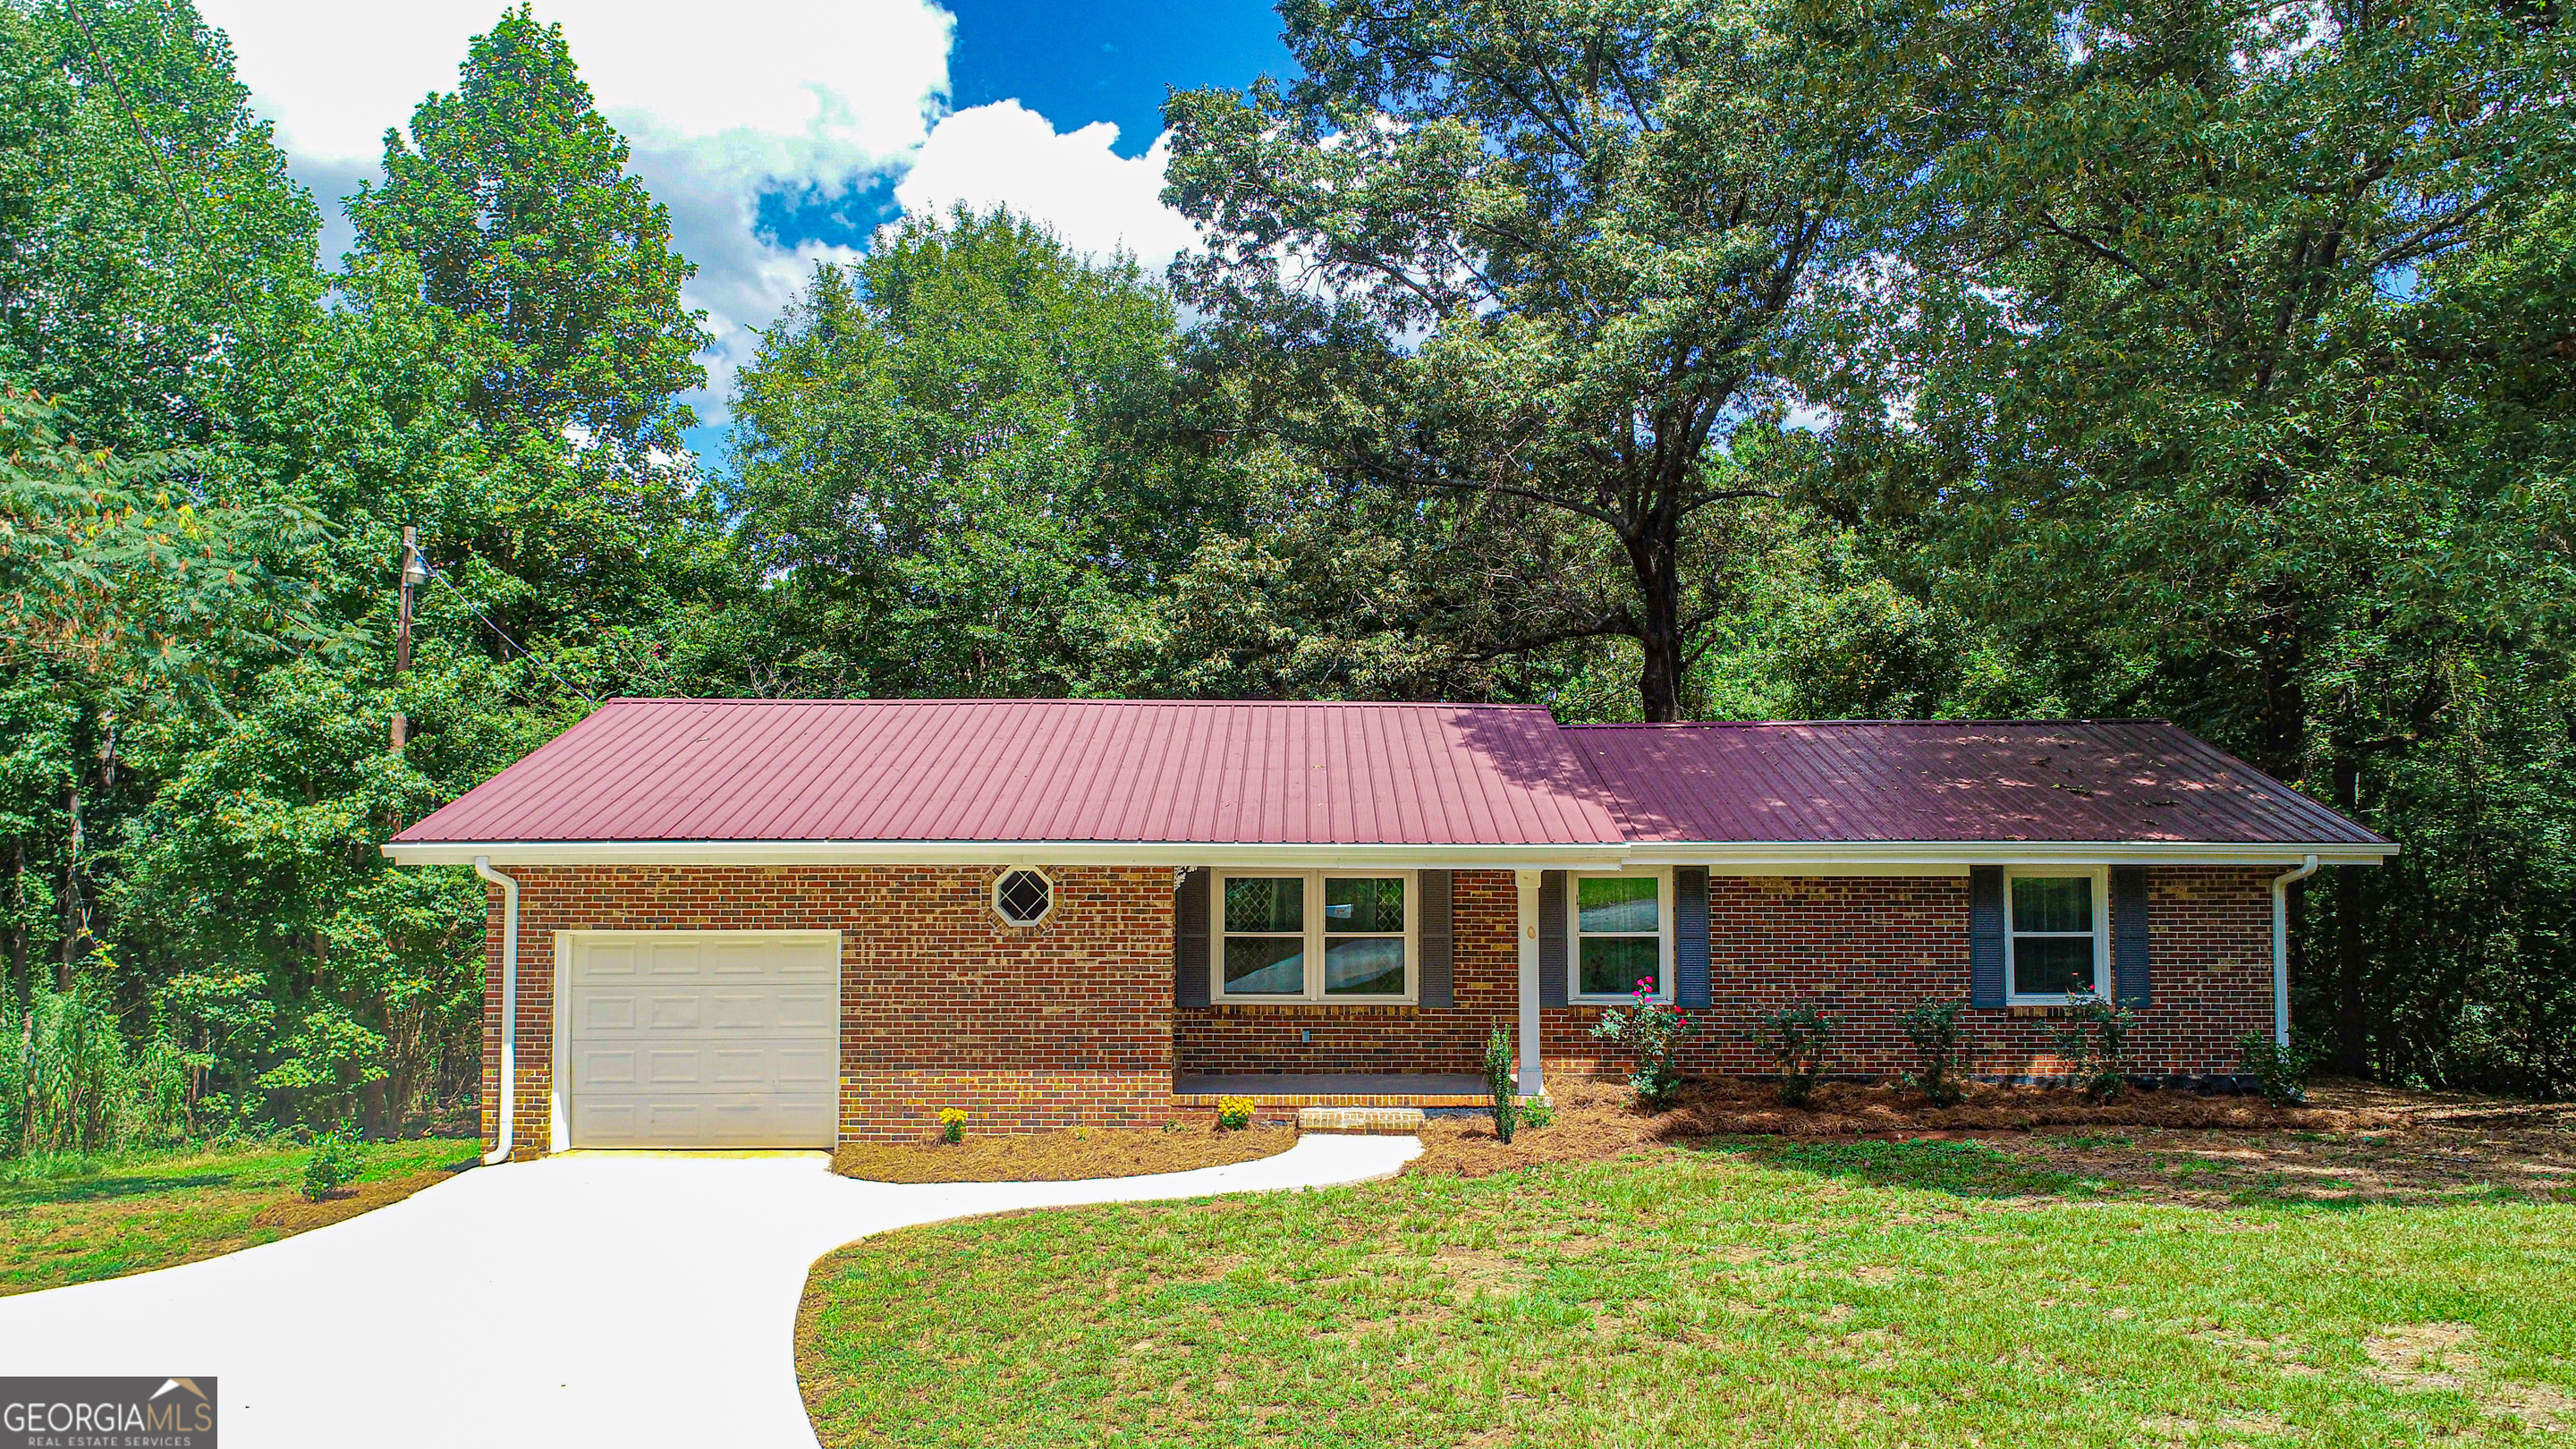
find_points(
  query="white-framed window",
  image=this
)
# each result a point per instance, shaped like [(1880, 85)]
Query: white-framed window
[(1618, 932), (1323, 935), (2057, 938), (1023, 896)]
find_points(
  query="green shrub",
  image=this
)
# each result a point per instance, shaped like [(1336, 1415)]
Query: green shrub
[(952, 1124), (1797, 1039), (1233, 1114), (2095, 1043), (1651, 1031), (1939, 1031), (2280, 1071), (1498, 1084), (333, 1165), (1536, 1114)]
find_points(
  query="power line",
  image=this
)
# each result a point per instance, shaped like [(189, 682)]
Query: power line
[(497, 632)]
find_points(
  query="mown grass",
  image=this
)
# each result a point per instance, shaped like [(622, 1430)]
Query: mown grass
[(1856, 1293), (107, 1218)]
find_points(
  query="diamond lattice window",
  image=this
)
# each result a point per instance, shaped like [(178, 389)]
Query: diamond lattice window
[(1023, 897)]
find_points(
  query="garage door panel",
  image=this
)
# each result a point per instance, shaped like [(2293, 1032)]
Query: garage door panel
[(798, 1067), (735, 1041), (804, 1011), (607, 1011), (593, 1067)]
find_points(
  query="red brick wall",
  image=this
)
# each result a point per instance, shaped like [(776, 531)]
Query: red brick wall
[(1071, 1023), (942, 1005), (1870, 946)]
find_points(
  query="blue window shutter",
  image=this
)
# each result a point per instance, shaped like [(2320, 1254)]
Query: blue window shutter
[(1986, 935), (1190, 938), (1551, 938), (2129, 983), (1690, 938), (1433, 938)]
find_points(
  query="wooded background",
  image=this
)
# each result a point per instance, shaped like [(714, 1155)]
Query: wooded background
[(1652, 359)]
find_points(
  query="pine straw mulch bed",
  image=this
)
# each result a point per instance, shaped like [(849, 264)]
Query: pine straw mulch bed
[(2352, 1143), (1059, 1156), (295, 1215)]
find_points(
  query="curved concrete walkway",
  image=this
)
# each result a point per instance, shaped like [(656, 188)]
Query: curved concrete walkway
[(581, 1300)]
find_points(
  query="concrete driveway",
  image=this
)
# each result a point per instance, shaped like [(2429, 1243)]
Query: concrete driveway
[(625, 1299)]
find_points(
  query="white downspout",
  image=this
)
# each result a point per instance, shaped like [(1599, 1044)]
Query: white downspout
[(510, 998), (2281, 949)]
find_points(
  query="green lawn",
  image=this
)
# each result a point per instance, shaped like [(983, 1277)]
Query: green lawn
[(1934, 1293), (143, 1212)]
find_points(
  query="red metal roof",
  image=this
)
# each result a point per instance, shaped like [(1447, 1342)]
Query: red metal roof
[(2105, 780), (1041, 770)]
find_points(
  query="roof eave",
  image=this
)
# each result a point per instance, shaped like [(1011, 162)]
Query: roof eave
[(1578, 856), (1781, 857)]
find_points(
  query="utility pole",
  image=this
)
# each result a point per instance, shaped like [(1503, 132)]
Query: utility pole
[(413, 572)]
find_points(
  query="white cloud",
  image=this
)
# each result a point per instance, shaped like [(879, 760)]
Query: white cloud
[(1097, 200), (721, 106)]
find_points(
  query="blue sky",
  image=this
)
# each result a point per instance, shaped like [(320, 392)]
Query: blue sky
[(781, 133)]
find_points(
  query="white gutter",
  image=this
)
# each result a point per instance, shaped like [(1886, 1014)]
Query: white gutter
[(2281, 949), (1725, 857), (509, 1000)]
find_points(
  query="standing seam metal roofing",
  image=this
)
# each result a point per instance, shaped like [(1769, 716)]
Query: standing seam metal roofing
[(1357, 774), (1029, 770), (1849, 781)]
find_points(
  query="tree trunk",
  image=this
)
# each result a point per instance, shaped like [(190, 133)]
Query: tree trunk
[(2280, 682), (22, 978), (2352, 960), (1654, 557), (75, 917)]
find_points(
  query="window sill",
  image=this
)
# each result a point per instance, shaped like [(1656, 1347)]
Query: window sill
[(1307, 1008)]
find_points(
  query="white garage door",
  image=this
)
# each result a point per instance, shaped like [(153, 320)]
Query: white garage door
[(703, 1038)]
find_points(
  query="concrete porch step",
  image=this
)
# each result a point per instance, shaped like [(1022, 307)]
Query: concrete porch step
[(1333, 1089), (1401, 1121)]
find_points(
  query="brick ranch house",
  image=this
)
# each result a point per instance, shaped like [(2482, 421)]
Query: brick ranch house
[(728, 923)]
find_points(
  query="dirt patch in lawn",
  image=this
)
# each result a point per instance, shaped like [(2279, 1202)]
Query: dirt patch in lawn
[(2353, 1142), (295, 1215), (1059, 1156)]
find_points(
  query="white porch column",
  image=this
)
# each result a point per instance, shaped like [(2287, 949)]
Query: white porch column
[(1530, 1083)]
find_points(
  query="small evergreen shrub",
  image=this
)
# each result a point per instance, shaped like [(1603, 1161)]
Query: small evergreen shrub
[(2281, 1072), (952, 1124), (1536, 1114), (1233, 1114), (333, 1164), (1498, 1085), (1797, 1039), (2095, 1043), (1939, 1031), (1651, 1031)]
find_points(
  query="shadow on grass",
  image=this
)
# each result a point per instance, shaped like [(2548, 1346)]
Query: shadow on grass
[(1962, 1169), (106, 1188)]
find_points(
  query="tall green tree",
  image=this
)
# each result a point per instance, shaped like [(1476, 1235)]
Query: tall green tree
[(1552, 252), (957, 468), (512, 196), (2226, 373), (153, 251)]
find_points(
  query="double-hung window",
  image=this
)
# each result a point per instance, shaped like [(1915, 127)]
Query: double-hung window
[(1619, 931), (2053, 922), (1316, 936)]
